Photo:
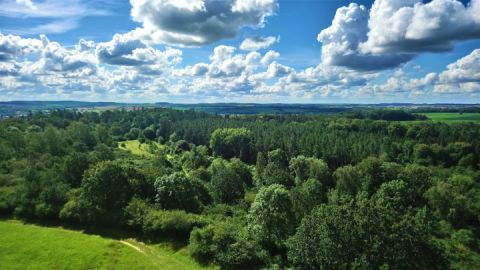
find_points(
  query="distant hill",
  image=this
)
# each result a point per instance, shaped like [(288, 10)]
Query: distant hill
[(15, 108)]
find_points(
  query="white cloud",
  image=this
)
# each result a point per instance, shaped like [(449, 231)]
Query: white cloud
[(393, 32), (269, 57), (465, 69), (414, 26), (12, 46), (341, 42), (124, 50), (197, 22), (258, 43), (63, 15), (27, 3), (462, 75)]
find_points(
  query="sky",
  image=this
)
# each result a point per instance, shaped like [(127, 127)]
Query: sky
[(262, 51)]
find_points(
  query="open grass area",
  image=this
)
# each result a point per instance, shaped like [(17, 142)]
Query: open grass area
[(26, 246), (137, 148), (453, 117)]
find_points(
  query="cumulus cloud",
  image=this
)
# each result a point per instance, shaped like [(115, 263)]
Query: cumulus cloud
[(197, 22), (341, 42), (465, 69), (258, 43), (12, 46), (462, 75), (124, 50), (269, 57), (224, 63), (393, 32), (414, 26)]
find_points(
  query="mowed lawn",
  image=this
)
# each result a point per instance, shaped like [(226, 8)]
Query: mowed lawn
[(26, 246), (451, 117)]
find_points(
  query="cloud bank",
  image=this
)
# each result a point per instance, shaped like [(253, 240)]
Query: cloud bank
[(392, 32), (197, 22)]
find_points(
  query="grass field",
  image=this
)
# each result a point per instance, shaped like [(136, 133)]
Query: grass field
[(450, 117), (137, 148), (26, 246)]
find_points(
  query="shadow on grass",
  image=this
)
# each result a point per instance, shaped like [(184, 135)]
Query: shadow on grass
[(109, 232)]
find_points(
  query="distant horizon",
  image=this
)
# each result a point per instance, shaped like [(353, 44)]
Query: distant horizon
[(246, 103)]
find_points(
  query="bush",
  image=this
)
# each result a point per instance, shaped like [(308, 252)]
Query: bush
[(171, 223), (175, 191), (226, 244)]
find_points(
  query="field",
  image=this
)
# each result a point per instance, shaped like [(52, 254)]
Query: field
[(452, 117), (25, 246), (137, 148)]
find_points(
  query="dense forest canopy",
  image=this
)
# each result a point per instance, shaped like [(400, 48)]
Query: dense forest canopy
[(368, 190)]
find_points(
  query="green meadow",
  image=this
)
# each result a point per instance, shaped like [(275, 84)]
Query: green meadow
[(453, 117), (27, 246), (135, 147)]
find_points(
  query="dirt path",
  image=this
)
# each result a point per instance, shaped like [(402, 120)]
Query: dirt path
[(132, 246)]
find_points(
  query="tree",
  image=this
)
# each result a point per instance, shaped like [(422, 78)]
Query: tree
[(278, 157), (260, 164), (305, 168), (74, 166), (232, 142), (227, 186), (348, 179), (82, 133), (105, 191), (53, 141), (175, 191), (149, 133), (457, 200), (228, 245), (103, 153), (242, 170), (274, 174), (272, 207), (360, 234), (307, 196)]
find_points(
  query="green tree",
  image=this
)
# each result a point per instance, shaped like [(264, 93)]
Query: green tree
[(74, 166), (366, 235), (228, 245), (305, 168), (348, 179), (232, 142), (307, 196), (272, 207), (260, 164), (227, 186), (105, 191), (175, 191)]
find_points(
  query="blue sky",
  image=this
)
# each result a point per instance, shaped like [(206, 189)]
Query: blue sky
[(305, 51)]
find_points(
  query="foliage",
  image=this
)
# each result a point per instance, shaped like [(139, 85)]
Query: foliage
[(361, 234), (226, 244), (227, 186), (272, 206), (175, 191), (348, 192), (232, 142)]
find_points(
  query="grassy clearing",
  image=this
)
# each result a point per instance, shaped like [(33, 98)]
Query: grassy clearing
[(25, 246), (452, 117), (137, 148)]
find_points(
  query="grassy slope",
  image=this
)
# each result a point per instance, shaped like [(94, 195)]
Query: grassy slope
[(137, 148), (450, 117), (25, 246)]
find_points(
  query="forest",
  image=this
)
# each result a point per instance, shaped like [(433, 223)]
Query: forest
[(380, 189)]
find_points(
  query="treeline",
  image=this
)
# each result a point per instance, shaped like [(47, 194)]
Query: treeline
[(253, 192), (386, 114)]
